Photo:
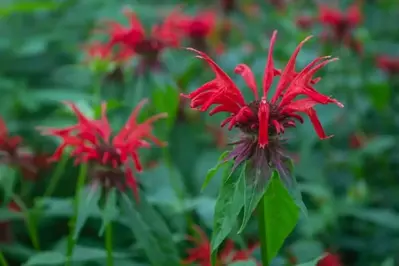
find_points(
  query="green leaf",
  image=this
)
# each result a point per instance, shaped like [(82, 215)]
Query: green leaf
[(244, 263), (110, 211), (280, 216), (184, 147), (27, 7), (380, 94), (88, 205), (383, 217), (6, 215), (378, 145), (306, 249), (255, 188), (151, 232), (167, 100), (46, 258), (48, 95), (312, 262), (212, 172), (295, 190), (228, 205), (80, 254), (85, 253), (7, 181), (388, 262)]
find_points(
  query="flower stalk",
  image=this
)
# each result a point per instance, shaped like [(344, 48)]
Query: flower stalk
[(108, 244), (79, 186), (30, 222), (55, 179), (3, 261), (262, 231)]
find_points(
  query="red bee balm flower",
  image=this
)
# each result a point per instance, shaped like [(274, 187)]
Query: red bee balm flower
[(201, 253), (304, 22), (135, 38), (341, 24), (91, 142), (98, 50), (8, 144), (263, 120), (12, 153), (199, 26)]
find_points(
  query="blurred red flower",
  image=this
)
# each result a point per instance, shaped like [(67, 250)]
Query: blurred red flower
[(8, 144), (263, 121), (98, 50), (133, 39), (329, 260), (305, 22), (197, 28), (341, 24), (202, 251), (12, 153), (91, 141), (388, 64)]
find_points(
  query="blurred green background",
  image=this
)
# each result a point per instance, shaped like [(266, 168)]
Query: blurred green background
[(349, 182)]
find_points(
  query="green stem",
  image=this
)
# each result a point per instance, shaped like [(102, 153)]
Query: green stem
[(262, 231), (97, 89), (30, 222), (108, 244), (79, 186), (3, 261), (55, 179)]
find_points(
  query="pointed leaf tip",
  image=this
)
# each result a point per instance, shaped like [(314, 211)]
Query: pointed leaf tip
[(307, 38), (196, 51)]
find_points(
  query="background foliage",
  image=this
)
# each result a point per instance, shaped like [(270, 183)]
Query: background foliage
[(349, 183)]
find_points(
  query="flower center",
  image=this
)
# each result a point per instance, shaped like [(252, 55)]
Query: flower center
[(198, 30), (149, 48), (251, 126), (109, 155)]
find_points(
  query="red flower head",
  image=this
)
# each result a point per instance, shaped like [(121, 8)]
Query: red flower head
[(304, 22), (202, 251), (91, 141), (135, 38), (197, 28), (101, 51), (342, 23), (388, 64), (12, 153), (329, 260), (263, 120), (8, 144)]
